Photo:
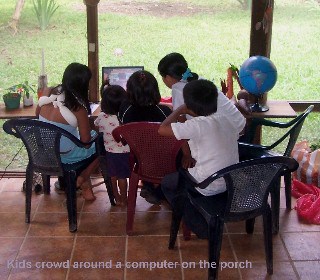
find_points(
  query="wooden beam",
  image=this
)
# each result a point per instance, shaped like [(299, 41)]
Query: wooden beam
[(93, 48), (261, 27), (300, 106)]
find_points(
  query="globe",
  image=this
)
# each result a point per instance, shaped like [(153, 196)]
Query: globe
[(258, 75)]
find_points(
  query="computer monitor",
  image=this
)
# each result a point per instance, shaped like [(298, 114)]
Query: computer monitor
[(119, 75)]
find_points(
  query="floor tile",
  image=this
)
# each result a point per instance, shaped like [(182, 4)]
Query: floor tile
[(13, 225), (250, 247), (12, 184), (50, 224), (16, 201), (258, 271), (48, 263), (152, 223), (55, 202), (154, 274), (195, 250), (102, 224), (150, 249), (96, 257), (101, 240), (308, 270), (9, 248), (148, 257), (289, 222), (303, 245)]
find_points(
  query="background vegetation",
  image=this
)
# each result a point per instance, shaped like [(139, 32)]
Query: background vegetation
[(208, 40)]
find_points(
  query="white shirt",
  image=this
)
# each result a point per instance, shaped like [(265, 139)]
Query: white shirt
[(224, 104), (177, 94), (213, 142), (106, 124)]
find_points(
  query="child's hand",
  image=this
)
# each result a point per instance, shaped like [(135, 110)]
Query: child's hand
[(188, 161)]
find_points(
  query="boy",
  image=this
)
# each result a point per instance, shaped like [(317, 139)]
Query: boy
[(212, 136)]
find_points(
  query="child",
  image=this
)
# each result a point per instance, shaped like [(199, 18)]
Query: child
[(212, 136), (143, 100), (143, 105), (117, 155), (175, 73)]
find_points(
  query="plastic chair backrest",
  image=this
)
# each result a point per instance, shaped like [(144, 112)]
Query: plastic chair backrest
[(249, 183), (294, 132), (42, 141), (155, 155), (291, 134)]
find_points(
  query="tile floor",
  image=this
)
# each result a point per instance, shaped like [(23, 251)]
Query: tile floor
[(100, 249)]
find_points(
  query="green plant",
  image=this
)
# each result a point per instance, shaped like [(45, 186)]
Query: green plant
[(44, 10), (315, 145), (22, 89)]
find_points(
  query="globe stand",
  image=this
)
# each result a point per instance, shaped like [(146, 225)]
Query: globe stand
[(257, 107)]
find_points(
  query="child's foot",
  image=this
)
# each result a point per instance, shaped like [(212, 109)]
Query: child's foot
[(87, 192)]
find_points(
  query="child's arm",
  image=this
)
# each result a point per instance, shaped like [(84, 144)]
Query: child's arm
[(165, 127), (166, 130)]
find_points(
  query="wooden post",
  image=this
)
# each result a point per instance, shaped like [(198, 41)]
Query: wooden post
[(93, 53), (261, 27)]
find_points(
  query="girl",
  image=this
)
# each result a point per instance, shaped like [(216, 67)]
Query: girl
[(143, 105), (143, 100), (67, 106), (175, 73), (117, 155)]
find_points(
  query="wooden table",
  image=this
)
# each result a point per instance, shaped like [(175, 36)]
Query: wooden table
[(277, 109), (22, 112), (27, 112)]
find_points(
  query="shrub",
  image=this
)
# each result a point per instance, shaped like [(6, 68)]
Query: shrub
[(44, 10)]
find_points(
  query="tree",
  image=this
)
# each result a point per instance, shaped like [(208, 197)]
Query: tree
[(13, 23)]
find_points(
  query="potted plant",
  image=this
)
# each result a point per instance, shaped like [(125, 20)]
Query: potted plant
[(13, 96)]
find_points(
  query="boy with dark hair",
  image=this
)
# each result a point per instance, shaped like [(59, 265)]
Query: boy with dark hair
[(212, 136)]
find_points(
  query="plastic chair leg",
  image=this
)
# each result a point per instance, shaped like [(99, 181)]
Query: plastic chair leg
[(70, 184), (267, 234), (250, 225), (175, 224), (275, 206), (132, 197), (287, 188), (215, 241), (29, 179), (46, 183)]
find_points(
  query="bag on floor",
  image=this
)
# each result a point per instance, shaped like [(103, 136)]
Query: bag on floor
[(308, 202), (309, 164)]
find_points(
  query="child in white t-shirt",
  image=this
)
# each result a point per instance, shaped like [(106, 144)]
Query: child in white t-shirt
[(117, 155), (212, 136)]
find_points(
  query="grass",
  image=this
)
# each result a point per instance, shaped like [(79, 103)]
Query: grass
[(208, 41)]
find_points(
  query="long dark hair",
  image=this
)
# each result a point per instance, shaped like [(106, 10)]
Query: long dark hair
[(75, 85), (175, 65), (143, 89)]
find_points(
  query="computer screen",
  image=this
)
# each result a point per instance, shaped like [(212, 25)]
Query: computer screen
[(119, 75)]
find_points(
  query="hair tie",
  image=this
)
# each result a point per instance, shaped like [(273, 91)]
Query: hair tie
[(187, 74)]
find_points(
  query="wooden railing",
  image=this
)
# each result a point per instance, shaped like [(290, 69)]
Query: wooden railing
[(300, 106)]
